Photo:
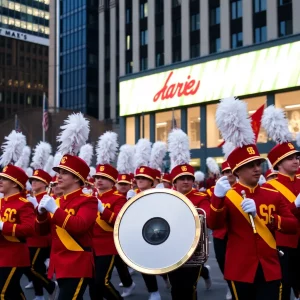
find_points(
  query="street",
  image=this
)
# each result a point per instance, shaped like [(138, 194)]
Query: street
[(217, 291)]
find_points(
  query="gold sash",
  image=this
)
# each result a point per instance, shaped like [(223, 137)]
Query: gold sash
[(283, 190), (66, 238), (261, 228), (104, 225)]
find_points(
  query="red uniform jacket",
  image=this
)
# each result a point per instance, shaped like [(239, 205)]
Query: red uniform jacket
[(293, 184), (199, 199), (71, 227), (39, 241), (18, 216), (103, 238), (219, 233), (210, 182), (245, 250)]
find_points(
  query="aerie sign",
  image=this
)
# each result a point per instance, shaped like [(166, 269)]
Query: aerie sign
[(178, 89)]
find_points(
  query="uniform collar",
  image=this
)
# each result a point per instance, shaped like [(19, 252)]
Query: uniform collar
[(249, 189), (285, 177), (112, 190), (189, 192), (72, 194), (12, 197), (40, 194)]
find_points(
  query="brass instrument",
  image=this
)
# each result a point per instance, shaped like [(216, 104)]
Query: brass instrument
[(250, 215)]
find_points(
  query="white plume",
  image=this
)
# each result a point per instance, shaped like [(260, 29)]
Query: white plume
[(179, 148), (41, 154), (92, 171), (227, 149), (12, 148), (298, 139), (233, 121), (23, 161), (57, 158), (212, 166), (29, 172), (158, 152), (125, 159), (199, 176), (142, 153), (74, 134), (86, 153), (49, 164), (276, 124), (262, 180), (270, 165), (107, 148)]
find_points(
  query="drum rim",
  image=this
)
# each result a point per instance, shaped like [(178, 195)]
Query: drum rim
[(179, 263)]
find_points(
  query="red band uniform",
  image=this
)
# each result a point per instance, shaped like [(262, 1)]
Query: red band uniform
[(71, 227), (17, 215)]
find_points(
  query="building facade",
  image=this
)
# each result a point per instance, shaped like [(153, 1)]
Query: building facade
[(24, 42), (178, 58)]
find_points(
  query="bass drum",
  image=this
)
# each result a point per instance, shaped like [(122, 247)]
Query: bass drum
[(157, 231)]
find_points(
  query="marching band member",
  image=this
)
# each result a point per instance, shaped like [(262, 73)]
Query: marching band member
[(16, 219), (70, 218), (220, 235), (110, 202), (251, 213), (166, 180), (184, 280), (199, 181), (284, 158), (144, 177), (213, 172)]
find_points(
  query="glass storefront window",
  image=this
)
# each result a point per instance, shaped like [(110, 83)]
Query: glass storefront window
[(196, 163), (193, 116), (130, 131), (146, 133), (290, 103), (214, 137), (165, 121)]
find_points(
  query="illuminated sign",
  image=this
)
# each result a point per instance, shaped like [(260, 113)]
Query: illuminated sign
[(254, 72), (24, 36)]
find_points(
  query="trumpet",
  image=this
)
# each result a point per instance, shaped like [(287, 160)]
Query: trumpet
[(49, 189), (250, 216)]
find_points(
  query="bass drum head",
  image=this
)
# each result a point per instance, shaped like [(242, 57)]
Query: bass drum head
[(157, 231)]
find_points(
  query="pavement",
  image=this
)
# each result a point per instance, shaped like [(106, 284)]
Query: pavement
[(216, 292)]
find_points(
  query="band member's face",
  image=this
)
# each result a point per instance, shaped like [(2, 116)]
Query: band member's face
[(103, 183), (167, 185), (6, 185), (37, 186), (289, 165), (123, 188), (184, 184), (143, 183), (57, 190), (249, 173), (231, 178), (156, 182), (66, 180)]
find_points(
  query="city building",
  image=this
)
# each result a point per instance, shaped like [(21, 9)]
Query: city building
[(24, 43), (176, 59)]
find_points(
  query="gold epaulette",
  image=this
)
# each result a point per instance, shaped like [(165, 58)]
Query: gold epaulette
[(264, 188), (23, 199), (86, 195), (117, 193), (200, 194)]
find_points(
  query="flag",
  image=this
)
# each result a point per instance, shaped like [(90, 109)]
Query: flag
[(45, 122), (255, 123)]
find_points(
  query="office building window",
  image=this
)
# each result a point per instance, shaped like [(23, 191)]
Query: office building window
[(237, 40), (176, 27), (176, 3), (283, 2), (260, 5), (130, 131), (195, 22), (129, 67), (236, 9), (159, 6), (176, 55), (194, 127), (215, 16), (215, 45), (260, 34), (159, 59), (285, 27), (144, 10), (128, 42), (144, 63), (159, 36), (128, 15), (195, 50), (144, 37)]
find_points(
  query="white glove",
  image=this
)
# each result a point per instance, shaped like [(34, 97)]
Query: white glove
[(32, 200), (100, 206), (249, 207), (261, 180), (47, 203), (222, 187), (1, 225), (130, 194), (297, 201), (203, 189), (87, 191)]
